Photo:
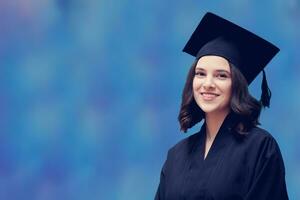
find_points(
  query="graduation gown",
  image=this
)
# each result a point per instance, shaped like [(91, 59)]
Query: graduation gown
[(248, 167)]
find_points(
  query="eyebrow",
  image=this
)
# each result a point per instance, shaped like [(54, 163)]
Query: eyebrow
[(218, 70)]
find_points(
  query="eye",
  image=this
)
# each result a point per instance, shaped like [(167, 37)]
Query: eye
[(222, 76), (200, 74)]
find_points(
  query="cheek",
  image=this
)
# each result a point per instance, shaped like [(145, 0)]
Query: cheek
[(196, 84), (225, 88), (227, 91)]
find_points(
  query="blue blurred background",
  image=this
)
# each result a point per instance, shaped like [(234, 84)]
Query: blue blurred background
[(90, 91)]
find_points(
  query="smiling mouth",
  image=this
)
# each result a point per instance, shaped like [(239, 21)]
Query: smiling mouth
[(209, 95)]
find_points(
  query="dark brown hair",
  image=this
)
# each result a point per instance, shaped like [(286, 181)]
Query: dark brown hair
[(245, 107)]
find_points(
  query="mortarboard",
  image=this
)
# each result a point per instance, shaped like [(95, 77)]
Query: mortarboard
[(245, 50)]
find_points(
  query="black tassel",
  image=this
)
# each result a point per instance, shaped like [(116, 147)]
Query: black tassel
[(265, 92)]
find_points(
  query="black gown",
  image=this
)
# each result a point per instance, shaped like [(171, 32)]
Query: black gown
[(248, 167)]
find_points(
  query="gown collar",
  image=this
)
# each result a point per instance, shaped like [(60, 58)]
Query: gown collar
[(222, 138)]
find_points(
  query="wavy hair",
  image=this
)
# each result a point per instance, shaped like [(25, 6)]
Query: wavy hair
[(245, 107)]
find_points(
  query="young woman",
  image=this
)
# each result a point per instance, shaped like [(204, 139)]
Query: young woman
[(231, 157)]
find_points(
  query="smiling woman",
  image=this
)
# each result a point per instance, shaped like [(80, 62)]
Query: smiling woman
[(230, 158), (212, 84)]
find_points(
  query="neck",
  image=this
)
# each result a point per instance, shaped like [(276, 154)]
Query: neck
[(213, 123)]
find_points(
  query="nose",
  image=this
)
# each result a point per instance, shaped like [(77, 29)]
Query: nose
[(208, 83)]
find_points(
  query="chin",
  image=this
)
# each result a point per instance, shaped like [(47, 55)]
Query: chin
[(211, 108)]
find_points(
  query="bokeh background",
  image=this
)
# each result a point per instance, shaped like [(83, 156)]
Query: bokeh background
[(90, 91)]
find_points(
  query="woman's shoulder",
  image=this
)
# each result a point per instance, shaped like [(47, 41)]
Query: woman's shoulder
[(262, 140), (259, 134), (184, 145)]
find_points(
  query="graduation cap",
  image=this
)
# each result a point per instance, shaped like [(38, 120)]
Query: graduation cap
[(245, 50)]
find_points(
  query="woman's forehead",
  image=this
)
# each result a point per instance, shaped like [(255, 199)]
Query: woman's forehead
[(212, 62)]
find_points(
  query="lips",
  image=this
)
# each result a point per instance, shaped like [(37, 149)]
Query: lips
[(209, 95)]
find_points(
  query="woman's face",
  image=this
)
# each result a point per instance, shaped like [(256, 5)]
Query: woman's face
[(212, 84)]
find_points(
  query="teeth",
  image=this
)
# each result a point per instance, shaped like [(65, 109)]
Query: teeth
[(208, 95)]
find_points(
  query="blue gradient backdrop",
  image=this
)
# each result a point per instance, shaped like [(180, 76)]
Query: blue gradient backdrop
[(90, 91)]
